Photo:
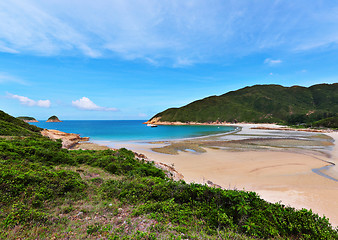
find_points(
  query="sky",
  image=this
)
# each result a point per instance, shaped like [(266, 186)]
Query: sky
[(130, 59)]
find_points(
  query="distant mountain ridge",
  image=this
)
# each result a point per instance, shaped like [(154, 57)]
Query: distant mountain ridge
[(260, 104)]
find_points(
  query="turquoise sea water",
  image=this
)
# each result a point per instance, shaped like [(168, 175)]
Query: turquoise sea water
[(130, 130)]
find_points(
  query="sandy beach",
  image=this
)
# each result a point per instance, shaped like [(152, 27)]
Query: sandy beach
[(278, 165)]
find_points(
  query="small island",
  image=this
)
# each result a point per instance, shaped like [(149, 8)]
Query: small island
[(53, 119), (27, 119)]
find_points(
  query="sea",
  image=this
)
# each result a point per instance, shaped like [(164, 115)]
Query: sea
[(130, 130)]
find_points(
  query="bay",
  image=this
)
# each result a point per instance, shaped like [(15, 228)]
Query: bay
[(130, 130)]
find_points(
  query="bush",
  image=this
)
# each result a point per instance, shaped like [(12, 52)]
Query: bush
[(33, 183), (245, 212)]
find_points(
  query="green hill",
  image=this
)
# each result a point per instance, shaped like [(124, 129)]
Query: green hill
[(261, 104), (53, 119), (26, 118), (11, 126)]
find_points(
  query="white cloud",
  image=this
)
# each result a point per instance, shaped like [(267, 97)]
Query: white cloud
[(272, 62), (29, 102), (29, 28), (142, 115), (43, 103), (165, 32), (86, 104)]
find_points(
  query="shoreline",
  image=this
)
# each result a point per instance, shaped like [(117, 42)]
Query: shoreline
[(217, 123), (284, 175)]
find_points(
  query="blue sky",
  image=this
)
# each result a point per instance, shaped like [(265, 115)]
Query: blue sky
[(84, 59)]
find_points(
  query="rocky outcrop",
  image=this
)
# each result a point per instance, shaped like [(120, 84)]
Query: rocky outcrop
[(68, 139), (28, 121), (154, 120), (53, 119), (170, 171)]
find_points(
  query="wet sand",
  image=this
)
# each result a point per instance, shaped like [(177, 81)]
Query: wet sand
[(278, 173)]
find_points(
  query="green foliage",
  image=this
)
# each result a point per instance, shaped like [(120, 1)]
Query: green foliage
[(33, 183), (23, 214), (43, 150), (139, 235), (261, 103), (35, 149), (10, 129), (120, 162), (28, 176), (11, 126), (93, 228), (309, 120), (53, 118), (183, 204), (331, 122), (26, 118)]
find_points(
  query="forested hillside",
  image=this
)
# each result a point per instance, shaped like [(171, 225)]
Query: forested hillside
[(261, 104)]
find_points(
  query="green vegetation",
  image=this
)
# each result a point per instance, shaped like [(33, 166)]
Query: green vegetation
[(52, 193), (331, 122), (26, 118), (11, 126), (262, 104), (53, 119)]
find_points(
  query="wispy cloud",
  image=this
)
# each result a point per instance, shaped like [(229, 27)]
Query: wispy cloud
[(28, 27), (175, 33), (29, 102), (7, 78), (3, 48), (183, 62), (272, 62), (85, 103)]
